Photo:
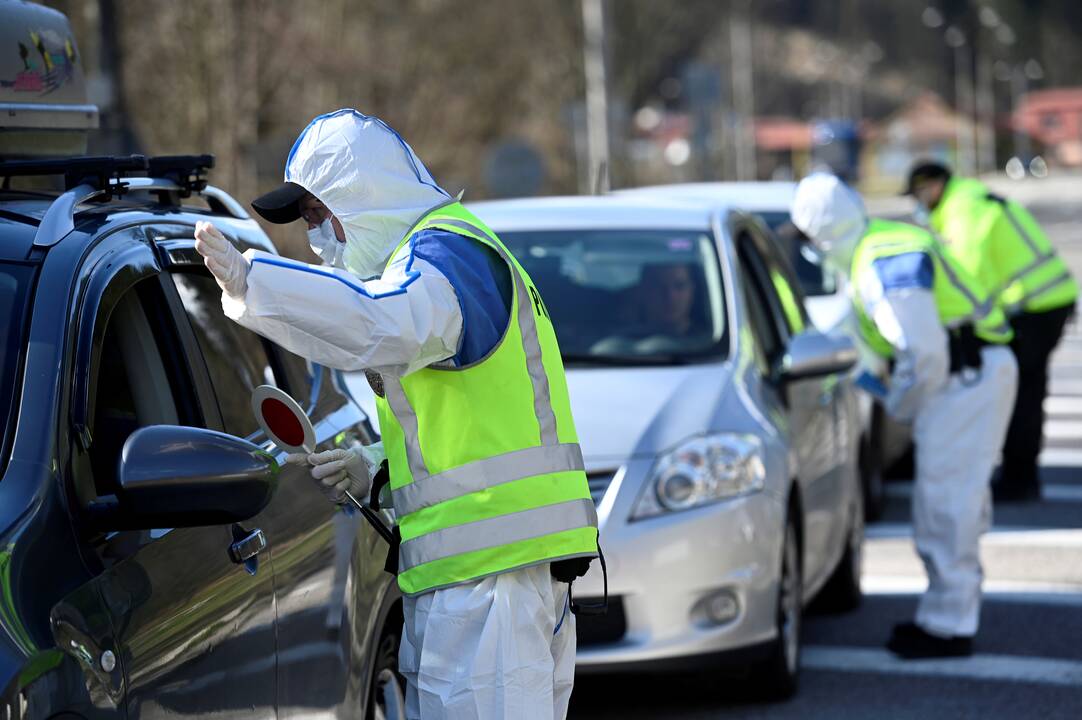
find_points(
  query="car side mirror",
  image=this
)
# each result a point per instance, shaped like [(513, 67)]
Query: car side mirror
[(814, 354), (172, 476)]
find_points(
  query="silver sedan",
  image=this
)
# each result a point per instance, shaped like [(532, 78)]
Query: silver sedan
[(719, 429)]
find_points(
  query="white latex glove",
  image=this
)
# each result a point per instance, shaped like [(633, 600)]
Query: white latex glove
[(341, 470), (224, 261)]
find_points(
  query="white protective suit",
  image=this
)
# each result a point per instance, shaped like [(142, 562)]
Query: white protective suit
[(501, 647), (958, 424)]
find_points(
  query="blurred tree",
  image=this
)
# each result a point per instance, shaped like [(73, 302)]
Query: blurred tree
[(241, 78)]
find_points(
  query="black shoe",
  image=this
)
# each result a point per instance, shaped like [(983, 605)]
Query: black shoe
[(1003, 492), (910, 642)]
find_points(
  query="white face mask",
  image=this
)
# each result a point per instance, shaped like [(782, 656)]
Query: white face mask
[(325, 244)]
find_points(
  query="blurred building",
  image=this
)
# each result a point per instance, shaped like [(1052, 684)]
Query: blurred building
[(784, 147), (1054, 119)]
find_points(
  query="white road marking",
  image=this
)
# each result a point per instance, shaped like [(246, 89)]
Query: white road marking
[(1063, 430), (1006, 668), (1062, 457), (1058, 492), (1060, 405), (1011, 591), (1006, 537)]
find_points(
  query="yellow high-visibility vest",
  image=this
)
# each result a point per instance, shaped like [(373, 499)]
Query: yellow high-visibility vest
[(485, 467), (1000, 243)]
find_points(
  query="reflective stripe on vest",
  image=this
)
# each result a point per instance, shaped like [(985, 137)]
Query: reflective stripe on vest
[(1039, 261), (1019, 305), (542, 403), (981, 310), (496, 531), (480, 475)]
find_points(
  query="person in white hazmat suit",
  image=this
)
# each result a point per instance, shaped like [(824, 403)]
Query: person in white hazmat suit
[(498, 646), (953, 378)]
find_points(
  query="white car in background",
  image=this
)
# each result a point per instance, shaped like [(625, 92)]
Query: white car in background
[(719, 429), (883, 441)]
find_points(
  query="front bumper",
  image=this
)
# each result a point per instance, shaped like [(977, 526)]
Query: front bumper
[(664, 570)]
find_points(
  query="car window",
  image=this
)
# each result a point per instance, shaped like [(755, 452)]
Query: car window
[(785, 286), (814, 279), (760, 299), (236, 358), (14, 298), (628, 296), (134, 385)]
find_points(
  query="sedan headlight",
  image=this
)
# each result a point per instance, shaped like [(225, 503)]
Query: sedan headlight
[(703, 470)]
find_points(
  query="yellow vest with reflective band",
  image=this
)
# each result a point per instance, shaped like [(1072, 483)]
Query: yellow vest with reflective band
[(958, 297), (789, 304), (485, 467), (1000, 243)]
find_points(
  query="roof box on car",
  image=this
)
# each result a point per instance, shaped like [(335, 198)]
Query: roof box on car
[(43, 97)]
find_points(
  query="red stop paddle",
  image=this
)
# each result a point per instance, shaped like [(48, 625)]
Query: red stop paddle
[(288, 427)]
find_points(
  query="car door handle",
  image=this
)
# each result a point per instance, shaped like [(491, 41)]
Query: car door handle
[(247, 547)]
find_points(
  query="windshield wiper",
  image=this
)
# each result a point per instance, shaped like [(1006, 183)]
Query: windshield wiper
[(625, 360)]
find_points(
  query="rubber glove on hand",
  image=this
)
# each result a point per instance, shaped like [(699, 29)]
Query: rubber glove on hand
[(342, 470), (224, 261)]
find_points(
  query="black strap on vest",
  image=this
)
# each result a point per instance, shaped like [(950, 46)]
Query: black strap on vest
[(383, 476), (573, 568)]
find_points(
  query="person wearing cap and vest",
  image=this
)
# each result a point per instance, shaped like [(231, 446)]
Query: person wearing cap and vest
[(486, 474), (953, 378), (998, 241)]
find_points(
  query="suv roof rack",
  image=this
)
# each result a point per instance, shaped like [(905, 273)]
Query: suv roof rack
[(188, 171), (90, 178), (97, 171)]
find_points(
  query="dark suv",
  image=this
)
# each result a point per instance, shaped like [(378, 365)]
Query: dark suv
[(155, 559)]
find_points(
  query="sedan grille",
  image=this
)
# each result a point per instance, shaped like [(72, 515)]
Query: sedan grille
[(599, 482)]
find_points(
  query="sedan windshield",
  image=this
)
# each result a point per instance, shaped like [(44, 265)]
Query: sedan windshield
[(14, 284), (628, 297), (814, 279)]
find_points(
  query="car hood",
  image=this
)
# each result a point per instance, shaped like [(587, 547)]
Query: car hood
[(626, 412)]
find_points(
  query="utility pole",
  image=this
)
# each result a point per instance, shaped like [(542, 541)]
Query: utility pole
[(743, 82), (986, 115), (963, 99), (597, 111)]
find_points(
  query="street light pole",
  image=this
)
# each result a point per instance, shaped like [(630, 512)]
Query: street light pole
[(597, 112)]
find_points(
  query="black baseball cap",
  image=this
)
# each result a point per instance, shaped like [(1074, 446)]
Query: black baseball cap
[(281, 205), (926, 170)]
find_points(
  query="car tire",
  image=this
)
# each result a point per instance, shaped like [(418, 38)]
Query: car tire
[(776, 677), (387, 693), (872, 475), (842, 591)]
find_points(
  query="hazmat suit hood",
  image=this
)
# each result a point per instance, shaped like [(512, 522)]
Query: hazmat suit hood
[(832, 215), (369, 178)]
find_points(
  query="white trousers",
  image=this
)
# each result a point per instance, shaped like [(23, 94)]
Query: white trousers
[(502, 647), (958, 435)]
